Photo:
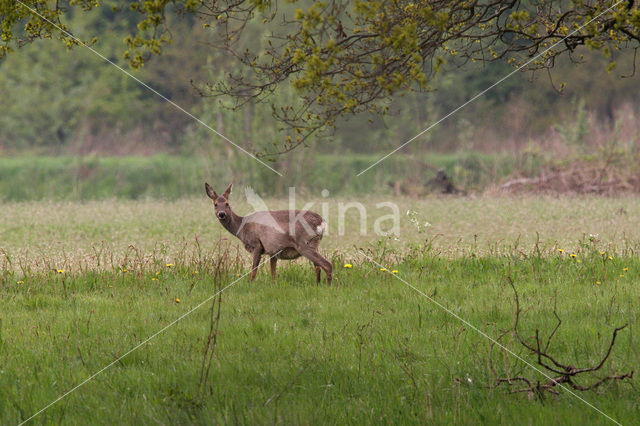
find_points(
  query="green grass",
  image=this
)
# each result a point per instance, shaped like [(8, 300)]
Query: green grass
[(27, 178), (369, 349)]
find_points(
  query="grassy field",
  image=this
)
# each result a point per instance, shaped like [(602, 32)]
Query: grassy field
[(83, 283), (75, 236)]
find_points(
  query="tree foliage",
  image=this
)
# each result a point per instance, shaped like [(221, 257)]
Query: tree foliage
[(347, 57)]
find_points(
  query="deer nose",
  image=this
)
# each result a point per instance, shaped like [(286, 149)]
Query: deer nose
[(222, 215)]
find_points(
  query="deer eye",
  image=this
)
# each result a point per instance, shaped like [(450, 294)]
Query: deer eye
[(226, 204), (215, 204)]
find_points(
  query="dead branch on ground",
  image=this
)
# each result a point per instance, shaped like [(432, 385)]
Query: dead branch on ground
[(559, 373)]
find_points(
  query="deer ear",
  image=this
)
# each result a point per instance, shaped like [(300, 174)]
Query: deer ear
[(210, 192), (227, 191)]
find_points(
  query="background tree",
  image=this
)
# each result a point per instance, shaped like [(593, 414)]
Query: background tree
[(349, 57)]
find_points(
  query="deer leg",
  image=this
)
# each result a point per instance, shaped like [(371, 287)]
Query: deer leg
[(317, 260), (318, 269), (257, 253), (274, 261)]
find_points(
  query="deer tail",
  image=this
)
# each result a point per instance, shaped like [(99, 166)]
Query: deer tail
[(322, 228)]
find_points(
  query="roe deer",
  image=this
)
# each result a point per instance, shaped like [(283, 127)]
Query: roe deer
[(281, 234)]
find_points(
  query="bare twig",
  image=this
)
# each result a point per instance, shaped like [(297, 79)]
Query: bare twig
[(566, 373), (210, 344)]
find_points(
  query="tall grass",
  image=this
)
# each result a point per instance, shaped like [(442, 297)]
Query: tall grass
[(173, 177), (290, 351)]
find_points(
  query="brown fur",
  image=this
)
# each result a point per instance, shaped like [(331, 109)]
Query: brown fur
[(270, 233)]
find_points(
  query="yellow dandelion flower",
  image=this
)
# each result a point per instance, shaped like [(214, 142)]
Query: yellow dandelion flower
[(177, 300), (61, 271), (383, 269), (154, 279), (395, 271), (348, 265), (579, 261), (195, 272), (610, 257), (124, 270), (598, 282), (561, 251), (602, 253), (158, 273), (625, 269), (169, 265), (573, 255), (621, 275), (20, 282), (238, 275)]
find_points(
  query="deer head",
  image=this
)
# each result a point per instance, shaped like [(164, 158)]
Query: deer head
[(220, 202)]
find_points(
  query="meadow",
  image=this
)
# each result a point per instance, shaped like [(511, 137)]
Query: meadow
[(82, 283)]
